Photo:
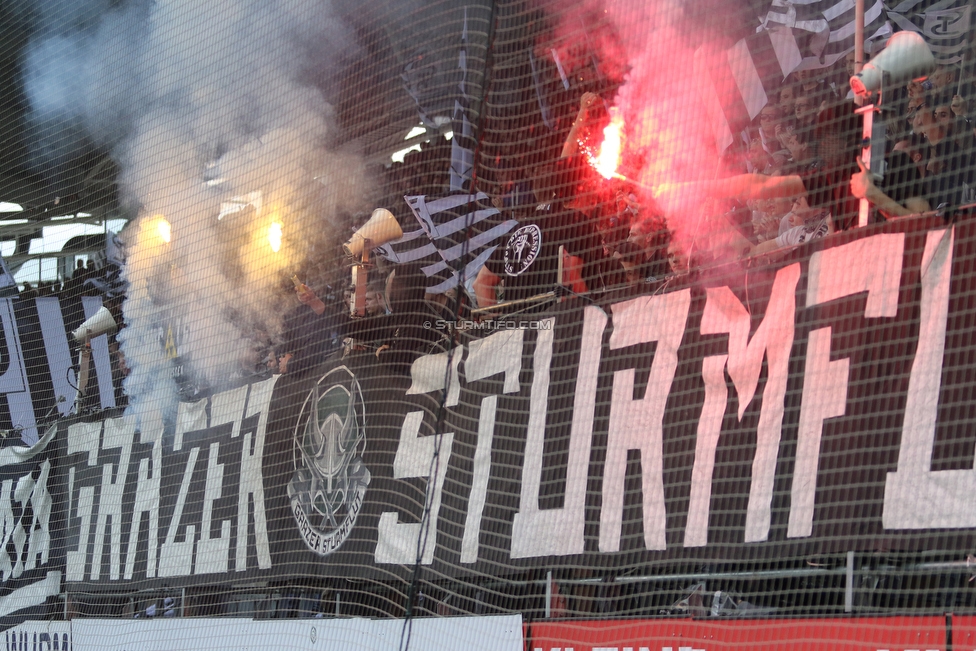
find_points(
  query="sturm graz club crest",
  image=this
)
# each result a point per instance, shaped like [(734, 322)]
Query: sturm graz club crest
[(522, 249), (327, 489)]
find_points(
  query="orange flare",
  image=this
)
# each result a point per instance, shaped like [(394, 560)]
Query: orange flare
[(274, 236), (164, 229)]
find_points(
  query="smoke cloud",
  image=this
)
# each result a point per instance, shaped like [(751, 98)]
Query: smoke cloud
[(669, 138), (200, 102)]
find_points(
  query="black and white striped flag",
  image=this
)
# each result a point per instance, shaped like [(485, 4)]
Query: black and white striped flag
[(944, 24), (457, 234), (737, 83), (823, 30)]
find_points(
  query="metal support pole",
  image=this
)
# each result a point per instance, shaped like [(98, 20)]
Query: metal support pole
[(867, 135), (548, 594), (849, 588), (864, 208)]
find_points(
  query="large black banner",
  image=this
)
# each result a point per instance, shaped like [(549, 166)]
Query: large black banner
[(31, 531), (820, 404)]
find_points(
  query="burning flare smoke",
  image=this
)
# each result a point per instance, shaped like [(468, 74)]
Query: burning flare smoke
[(607, 161), (200, 102), (658, 120)]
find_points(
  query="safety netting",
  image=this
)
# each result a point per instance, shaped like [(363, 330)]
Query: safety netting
[(499, 324)]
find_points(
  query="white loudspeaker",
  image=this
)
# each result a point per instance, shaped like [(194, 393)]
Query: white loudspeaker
[(100, 323), (381, 228), (905, 57)]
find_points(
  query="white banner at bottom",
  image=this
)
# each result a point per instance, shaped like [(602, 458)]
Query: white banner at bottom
[(501, 633)]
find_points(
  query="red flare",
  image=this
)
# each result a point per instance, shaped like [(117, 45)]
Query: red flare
[(608, 158)]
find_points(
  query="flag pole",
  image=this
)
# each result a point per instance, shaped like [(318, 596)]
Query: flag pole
[(962, 73), (867, 113), (858, 41)]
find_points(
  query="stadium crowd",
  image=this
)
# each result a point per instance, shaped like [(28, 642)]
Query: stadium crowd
[(791, 176)]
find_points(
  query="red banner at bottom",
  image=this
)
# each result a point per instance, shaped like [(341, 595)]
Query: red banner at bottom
[(963, 633), (849, 634)]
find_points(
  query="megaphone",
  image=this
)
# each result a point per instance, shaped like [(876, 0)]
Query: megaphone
[(100, 323), (381, 228), (905, 57)]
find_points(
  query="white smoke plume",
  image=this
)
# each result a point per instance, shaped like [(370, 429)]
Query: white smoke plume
[(183, 92)]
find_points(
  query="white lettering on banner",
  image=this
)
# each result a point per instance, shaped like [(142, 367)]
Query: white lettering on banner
[(146, 501), (252, 479), (427, 375), (242, 413), (34, 537), (115, 436), (916, 497), (191, 417), (13, 383), (831, 274), (824, 381), (497, 353), (706, 442), (500, 353), (37, 636), (824, 396), (82, 437), (559, 532), (39, 533), (175, 558), (212, 555), (57, 351), (420, 456), (417, 456), (774, 339), (535, 439), (638, 424)]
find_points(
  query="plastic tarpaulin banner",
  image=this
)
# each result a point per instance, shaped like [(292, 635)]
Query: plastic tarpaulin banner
[(814, 404), (503, 633), (860, 634), (31, 535)]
